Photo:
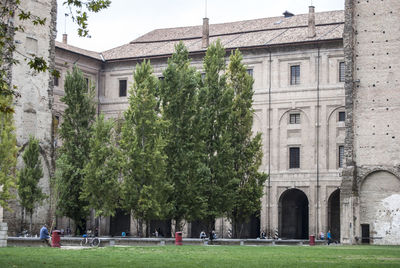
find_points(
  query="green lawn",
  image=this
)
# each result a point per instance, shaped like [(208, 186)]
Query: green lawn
[(203, 256)]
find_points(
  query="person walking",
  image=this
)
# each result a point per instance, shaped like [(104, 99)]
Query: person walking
[(44, 235)]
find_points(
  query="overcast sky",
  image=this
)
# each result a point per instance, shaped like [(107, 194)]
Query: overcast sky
[(125, 20)]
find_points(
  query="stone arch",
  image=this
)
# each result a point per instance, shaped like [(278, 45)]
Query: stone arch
[(333, 111), (379, 207), (293, 110), (334, 214), (293, 214)]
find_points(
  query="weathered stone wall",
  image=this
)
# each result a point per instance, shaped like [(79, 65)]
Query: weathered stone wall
[(371, 180), (33, 114)]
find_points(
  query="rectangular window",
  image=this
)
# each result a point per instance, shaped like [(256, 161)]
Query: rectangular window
[(250, 72), (341, 156), (122, 88), (294, 119), (341, 71), (342, 116), (295, 74), (294, 157)]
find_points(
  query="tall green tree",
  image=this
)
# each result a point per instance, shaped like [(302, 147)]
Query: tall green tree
[(188, 174), (101, 185), (8, 152), (215, 104), (246, 150), (29, 192), (75, 133), (144, 189)]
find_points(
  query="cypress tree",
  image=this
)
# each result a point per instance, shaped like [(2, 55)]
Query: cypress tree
[(29, 191), (246, 150), (188, 174), (8, 151), (75, 133), (101, 187), (215, 104), (145, 189)]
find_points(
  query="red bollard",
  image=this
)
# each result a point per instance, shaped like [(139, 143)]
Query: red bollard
[(178, 238), (55, 239), (312, 240)]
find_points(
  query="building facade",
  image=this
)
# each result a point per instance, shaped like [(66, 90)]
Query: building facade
[(297, 64)]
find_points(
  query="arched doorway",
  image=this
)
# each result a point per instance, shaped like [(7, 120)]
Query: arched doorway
[(379, 208), (293, 215), (119, 223), (334, 214)]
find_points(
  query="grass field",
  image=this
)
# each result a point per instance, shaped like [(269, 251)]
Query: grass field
[(203, 256)]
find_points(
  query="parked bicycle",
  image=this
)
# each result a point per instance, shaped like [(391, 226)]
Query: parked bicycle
[(89, 240)]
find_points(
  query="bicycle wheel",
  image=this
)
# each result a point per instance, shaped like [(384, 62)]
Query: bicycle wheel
[(83, 242), (95, 242)]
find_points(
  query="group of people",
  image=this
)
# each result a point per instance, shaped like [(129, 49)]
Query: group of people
[(212, 235), (328, 236)]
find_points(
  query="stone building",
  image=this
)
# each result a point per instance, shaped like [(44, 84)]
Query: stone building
[(298, 66), (370, 197), (33, 110)]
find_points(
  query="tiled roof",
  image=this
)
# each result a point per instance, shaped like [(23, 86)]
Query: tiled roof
[(240, 34), (88, 53)]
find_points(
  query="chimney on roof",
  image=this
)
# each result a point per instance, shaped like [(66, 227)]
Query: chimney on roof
[(205, 39), (311, 22), (65, 36), (287, 14)]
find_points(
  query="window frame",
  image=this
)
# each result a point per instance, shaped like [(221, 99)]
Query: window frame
[(119, 87), (340, 156), (293, 162), (297, 77), (339, 117), (296, 117), (341, 72)]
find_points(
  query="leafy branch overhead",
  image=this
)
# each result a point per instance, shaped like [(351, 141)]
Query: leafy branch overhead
[(79, 12)]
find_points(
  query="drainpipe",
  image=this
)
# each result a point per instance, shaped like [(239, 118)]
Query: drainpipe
[(317, 140), (269, 145)]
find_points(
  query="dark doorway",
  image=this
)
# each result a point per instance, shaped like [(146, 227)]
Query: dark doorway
[(334, 215), (365, 233), (200, 225), (293, 215), (249, 229), (163, 228), (121, 222)]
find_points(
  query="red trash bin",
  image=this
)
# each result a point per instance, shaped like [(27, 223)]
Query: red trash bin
[(312, 240), (178, 238), (55, 239)]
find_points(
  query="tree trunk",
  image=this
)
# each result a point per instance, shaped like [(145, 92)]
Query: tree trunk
[(22, 219), (99, 226), (30, 223)]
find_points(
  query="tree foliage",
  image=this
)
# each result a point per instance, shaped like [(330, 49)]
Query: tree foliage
[(185, 168), (75, 133), (144, 189), (29, 192), (215, 104), (8, 152), (101, 186), (246, 150)]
